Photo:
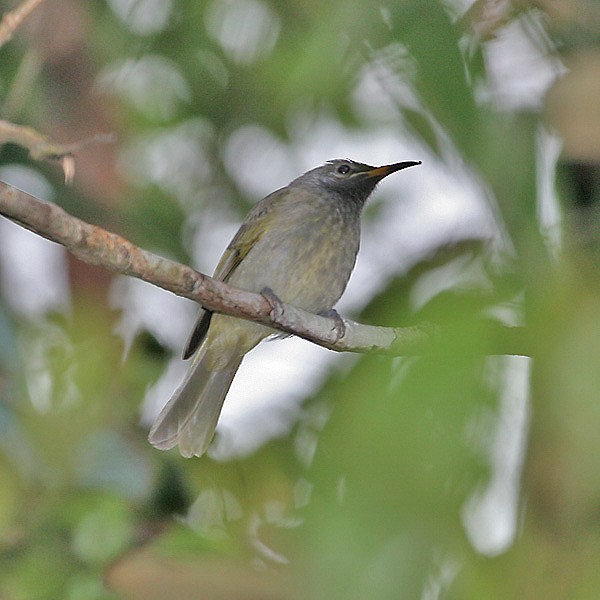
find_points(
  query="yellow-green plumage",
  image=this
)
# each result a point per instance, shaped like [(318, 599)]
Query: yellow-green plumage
[(300, 242)]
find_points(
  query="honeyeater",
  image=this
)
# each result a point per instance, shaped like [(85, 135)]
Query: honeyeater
[(299, 243)]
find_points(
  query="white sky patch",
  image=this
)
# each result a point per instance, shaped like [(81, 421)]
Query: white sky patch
[(153, 84), (264, 400), (245, 29), (490, 516), (147, 307), (144, 17), (33, 271), (521, 64), (549, 147)]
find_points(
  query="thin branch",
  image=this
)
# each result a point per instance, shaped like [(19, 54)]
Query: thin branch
[(97, 246), (13, 19), (41, 147)]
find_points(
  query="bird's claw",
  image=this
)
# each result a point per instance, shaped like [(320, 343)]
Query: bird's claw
[(274, 301), (339, 325), (277, 311)]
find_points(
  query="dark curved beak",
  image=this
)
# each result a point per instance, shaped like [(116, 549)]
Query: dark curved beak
[(381, 172)]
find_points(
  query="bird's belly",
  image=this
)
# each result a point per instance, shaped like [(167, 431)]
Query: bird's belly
[(309, 276)]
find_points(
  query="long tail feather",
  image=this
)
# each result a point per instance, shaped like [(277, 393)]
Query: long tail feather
[(190, 417)]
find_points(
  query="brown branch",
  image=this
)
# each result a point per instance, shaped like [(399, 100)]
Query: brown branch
[(13, 19), (97, 246), (41, 147)]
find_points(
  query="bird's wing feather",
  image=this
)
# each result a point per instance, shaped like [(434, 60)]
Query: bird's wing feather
[(251, 230), (190, 417)]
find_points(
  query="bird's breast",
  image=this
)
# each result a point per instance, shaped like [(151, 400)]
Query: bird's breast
[(306, 257)]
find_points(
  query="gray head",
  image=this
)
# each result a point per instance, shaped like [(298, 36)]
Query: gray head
[(351, 180)]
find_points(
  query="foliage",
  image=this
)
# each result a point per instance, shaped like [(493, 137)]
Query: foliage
[(376, 490)]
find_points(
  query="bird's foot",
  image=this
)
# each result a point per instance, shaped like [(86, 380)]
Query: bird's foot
[(276, 310), (274, 301), (339, 325)]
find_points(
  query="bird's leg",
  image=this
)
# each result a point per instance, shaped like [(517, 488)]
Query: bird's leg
[(339, 325)]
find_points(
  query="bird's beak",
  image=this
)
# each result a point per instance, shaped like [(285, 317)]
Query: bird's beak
[(381, 172)]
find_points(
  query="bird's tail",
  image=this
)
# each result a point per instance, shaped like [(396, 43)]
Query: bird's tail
[(190, 417)]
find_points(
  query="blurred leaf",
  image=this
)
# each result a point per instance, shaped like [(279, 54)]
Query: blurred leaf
[(152, 576), (7, 344), (367, 494), (104, 531), (106, 461), (441, 77), (423, 128)]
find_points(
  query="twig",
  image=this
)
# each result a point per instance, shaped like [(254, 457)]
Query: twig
[(97, 246), (13, 19), (41, 147)]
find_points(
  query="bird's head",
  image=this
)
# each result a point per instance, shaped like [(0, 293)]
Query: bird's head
[(347, 178)]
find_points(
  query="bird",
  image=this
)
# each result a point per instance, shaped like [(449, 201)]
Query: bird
[(299, 244)]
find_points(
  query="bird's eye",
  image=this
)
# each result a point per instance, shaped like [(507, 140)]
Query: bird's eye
[(343, 169)]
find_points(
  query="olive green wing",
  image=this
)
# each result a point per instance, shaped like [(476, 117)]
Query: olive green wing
[(252, 229)]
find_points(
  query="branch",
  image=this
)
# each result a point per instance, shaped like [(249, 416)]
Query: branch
[(41, 147), (97, 246), (13, 19)]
